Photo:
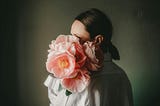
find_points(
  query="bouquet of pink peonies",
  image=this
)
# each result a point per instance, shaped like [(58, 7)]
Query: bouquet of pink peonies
[(72, 62)]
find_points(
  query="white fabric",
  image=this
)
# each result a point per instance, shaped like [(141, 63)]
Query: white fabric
[(109, 87)]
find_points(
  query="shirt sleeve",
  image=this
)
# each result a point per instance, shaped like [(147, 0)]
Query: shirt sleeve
[(53, 88)]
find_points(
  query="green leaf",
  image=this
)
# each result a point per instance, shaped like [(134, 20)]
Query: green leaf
[(68, 93), (60, 87)]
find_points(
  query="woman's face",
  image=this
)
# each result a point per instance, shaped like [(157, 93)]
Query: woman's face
[(79, 30)]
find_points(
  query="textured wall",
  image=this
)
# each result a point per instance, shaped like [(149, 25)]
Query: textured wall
[(136, 35)]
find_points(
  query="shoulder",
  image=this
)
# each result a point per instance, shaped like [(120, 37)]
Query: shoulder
[(110, 69), (110, 75)]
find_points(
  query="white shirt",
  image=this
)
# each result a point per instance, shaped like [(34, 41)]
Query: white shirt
[(108, 87)]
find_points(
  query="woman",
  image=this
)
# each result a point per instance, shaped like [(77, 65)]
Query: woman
[(109, 86)]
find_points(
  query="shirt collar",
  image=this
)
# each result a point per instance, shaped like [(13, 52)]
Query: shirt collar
[(107, 57)]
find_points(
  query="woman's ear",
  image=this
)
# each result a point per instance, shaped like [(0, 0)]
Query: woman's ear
[(98, 39)]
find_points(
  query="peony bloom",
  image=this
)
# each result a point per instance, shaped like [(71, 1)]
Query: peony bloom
[(95, 56), (70, 44), (78, 83), (66, 38), (65, 54), (61, 65), (70, 61), (64, 43)]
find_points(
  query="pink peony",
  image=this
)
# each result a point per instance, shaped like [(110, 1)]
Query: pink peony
[(70, 44), (64, 43), (80, 55), (65, 54), (78, 83), (66, 38), (95, 56), (70, 61), (61, 65)]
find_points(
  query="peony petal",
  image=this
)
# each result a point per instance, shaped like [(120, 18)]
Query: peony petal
[(60, 39), (61, 65), (66, 38), (72, 38), (95, 56), (78, 83), (80, 55), (89, 49)]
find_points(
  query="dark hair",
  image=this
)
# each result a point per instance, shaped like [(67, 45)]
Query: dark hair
[(97, 23)]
